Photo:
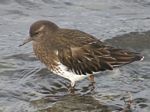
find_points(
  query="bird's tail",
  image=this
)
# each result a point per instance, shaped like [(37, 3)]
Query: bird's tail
[(124, 57)]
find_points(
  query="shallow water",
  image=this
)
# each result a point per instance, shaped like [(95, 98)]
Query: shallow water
[(27, 86)]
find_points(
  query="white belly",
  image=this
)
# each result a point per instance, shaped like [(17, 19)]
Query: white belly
[(68, 74)]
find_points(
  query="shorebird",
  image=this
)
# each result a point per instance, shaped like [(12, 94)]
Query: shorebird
[(74, 54)]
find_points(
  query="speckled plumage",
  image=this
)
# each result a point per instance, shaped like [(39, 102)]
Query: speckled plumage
[(74, 54)]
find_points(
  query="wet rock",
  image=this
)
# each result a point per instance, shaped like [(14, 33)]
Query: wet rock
[(133, 40), (77, 103)]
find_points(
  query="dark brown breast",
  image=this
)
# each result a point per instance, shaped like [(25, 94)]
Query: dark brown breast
[(45, 55)]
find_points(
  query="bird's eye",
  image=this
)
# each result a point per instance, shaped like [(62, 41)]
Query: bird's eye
[(36, 33)]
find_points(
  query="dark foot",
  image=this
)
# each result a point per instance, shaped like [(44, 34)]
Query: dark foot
[(92, 83), (89, 89), (92, 86), (71, 90)]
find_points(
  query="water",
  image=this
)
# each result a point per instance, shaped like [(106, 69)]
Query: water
[(27, 86)]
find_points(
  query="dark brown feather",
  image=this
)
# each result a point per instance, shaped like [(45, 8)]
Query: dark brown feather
[(78, 51), (95, 57)]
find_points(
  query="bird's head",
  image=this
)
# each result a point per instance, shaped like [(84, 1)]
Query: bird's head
[(40, 30)]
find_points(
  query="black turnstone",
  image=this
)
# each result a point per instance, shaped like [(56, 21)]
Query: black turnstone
[(74, 54)]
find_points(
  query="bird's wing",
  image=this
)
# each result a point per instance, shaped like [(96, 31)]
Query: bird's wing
[(95, 57), (83, 53)]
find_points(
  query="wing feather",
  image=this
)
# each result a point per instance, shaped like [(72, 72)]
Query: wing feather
[(87, 54)]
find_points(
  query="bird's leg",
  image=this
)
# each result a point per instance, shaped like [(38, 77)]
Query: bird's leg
[(71, 88), (91, 79)]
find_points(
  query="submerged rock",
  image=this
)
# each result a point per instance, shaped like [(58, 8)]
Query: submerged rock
[(78, 103), (133, 40)]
